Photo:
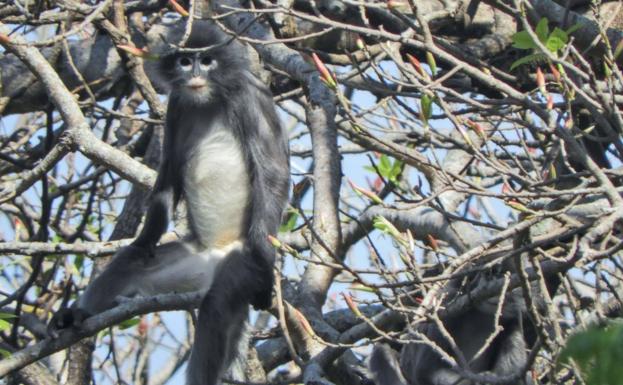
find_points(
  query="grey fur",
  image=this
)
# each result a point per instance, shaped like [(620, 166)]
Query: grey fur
[(216, 107), (420, 364), (385, 367)]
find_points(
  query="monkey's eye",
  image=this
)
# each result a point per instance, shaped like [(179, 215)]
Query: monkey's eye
[(206, 60), (185, 62)]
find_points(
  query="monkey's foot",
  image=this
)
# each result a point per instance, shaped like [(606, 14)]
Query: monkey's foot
[(66, 318)]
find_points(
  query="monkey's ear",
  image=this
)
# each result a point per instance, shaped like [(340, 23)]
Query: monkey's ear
[(161, 40), (167, 64), (160, 73)]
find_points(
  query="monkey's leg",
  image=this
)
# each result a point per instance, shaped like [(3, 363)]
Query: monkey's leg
[(162, 203), (385, 367), (176, 267), (511, 355), (221, 318)]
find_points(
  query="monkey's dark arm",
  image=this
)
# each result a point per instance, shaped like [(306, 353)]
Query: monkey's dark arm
[(158, 214), (270, 175), (162, 200)]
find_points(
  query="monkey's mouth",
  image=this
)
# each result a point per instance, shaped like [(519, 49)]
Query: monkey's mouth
[(196, 83)]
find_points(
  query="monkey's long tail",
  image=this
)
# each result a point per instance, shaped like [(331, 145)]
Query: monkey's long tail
[(222, 317)]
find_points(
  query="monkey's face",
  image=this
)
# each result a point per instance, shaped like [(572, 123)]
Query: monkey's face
[(192, 76), (210, 68)]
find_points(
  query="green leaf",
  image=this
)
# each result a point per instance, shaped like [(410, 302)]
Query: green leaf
[(560, 34), (385, 166), (534, 58), (542, 29), (607, 70), (381, 223), (522, 40), (79, 262), (430, 59), (7, 315), (291, 223), (426, 105), (129, 323), (362, 288), (395, 171), (554, 44), (4, 325), (598, 353), (5, 353)]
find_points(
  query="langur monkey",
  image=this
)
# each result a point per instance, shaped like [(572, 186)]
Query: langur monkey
[(226, 153)]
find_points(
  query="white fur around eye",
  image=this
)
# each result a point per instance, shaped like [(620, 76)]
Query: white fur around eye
[(184, 63), (208, 67)]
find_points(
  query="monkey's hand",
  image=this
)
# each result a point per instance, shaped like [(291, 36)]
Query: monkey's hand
[(263, 298), (66, 318)]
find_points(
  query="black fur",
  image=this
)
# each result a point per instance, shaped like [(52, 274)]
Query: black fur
[(244, 277), (233, 99), (385, 367), (505, 355)]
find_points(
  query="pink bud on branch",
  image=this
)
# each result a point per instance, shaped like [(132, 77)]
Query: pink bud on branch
[(326, 75), (417, 65), (540, 81), (178, 8), (367, 193), (135, 51), (351, 304), (303, 322)]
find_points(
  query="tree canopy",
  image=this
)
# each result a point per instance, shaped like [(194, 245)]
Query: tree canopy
[(448, 157)]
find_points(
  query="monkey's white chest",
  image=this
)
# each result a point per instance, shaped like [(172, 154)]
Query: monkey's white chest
[(216, 187)]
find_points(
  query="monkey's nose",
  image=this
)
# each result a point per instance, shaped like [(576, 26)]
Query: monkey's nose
[(196, 82)]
